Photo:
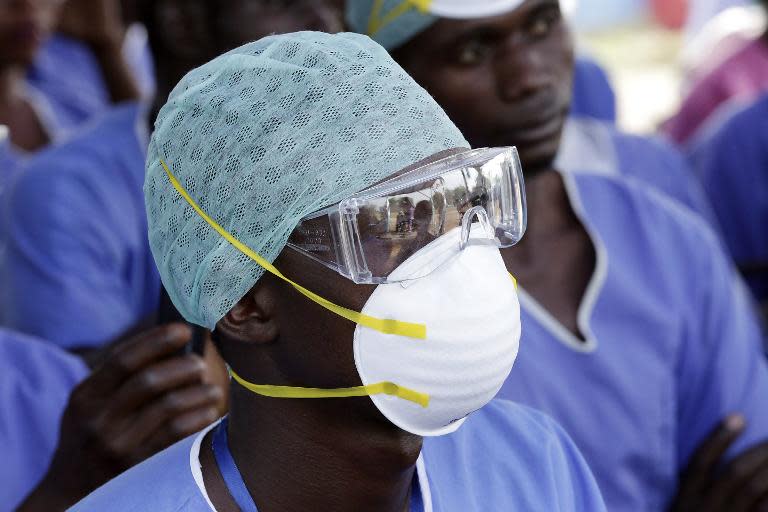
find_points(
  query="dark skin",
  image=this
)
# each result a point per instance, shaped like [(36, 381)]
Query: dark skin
[(294, 454), (141, 399), (506, 81), (100, 25), (144, 394), (24, 26)]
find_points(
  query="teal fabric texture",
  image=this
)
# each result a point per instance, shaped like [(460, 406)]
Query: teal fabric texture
[(397, 31), (265, 135)]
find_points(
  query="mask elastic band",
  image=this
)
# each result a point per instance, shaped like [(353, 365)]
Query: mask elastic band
[(386, 326), (380, 388)]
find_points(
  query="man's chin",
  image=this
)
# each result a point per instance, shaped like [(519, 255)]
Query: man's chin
[(539, 157)]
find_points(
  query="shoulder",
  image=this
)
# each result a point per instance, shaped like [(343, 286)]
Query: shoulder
[(526, 434), (162, 483), (36, 379), (752, 119), (509, 446), (618, 202), (29, 362)]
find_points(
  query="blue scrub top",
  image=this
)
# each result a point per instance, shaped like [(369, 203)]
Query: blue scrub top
[(733, 168), (68, 75), (36, 379), (591, 146), (593, 94), (77, 268), (505, 457), (671, 346)]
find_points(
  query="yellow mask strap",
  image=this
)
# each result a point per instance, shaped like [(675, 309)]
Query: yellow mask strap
[(381, 388), (376, 21), (386, 326)]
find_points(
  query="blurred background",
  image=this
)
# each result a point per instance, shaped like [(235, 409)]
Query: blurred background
[(653, 50)]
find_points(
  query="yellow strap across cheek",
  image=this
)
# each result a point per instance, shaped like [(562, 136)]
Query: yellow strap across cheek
[(376, 21), (386, 326), (381, 388)]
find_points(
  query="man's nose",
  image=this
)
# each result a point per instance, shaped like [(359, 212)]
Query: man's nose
[(520, 71)]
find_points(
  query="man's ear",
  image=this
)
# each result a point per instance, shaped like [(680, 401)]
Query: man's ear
[(252, 320)]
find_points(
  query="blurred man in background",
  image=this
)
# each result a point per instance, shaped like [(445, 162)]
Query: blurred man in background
[(24, 26), (639, 338), (732, 164), (97, 57), (731, 84), (77, 273), (77, 268)]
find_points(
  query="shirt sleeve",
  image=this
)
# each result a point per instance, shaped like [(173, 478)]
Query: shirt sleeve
[(58, 263), (721, 368)]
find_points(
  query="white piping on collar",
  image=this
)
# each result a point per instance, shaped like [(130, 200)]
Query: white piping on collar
[(587, 146), (426, 493), (591, 294), (197, 472), (44, 112), (196, 467)]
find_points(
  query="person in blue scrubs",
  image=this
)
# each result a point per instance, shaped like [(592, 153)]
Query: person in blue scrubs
[(35, 382), (77, 270), (24, 27), (96, 59), (337, 446), (638, 336), (732, 165), (66, 430)]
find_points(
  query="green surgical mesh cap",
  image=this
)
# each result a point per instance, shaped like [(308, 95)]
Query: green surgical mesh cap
[(266, 134)]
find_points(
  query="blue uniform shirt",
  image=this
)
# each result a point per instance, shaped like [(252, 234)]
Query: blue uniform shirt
[(36, 379), (68, 75), (596, 147), (76, 268), (733, 168), (593, 94), (505, 457), (671, 346)]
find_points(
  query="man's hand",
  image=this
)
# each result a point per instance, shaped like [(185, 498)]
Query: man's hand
[(143, 398), (94, 22), (100, 25), (740, 486)]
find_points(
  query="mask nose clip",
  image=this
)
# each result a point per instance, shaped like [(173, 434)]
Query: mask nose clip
[(482, 228)]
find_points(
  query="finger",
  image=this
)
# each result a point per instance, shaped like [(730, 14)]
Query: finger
[(181, 427), (156, 380), (743, 482), (145, 424), (136, 353), (754, 495), (703, 463)]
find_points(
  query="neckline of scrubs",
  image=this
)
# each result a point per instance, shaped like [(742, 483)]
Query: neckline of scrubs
[(591, 294), (197, 474)]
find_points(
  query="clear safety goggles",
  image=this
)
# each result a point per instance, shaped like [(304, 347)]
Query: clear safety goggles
[(367, 236)]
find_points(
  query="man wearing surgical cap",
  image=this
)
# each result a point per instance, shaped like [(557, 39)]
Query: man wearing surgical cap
[(270, 168), (638, 337)]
